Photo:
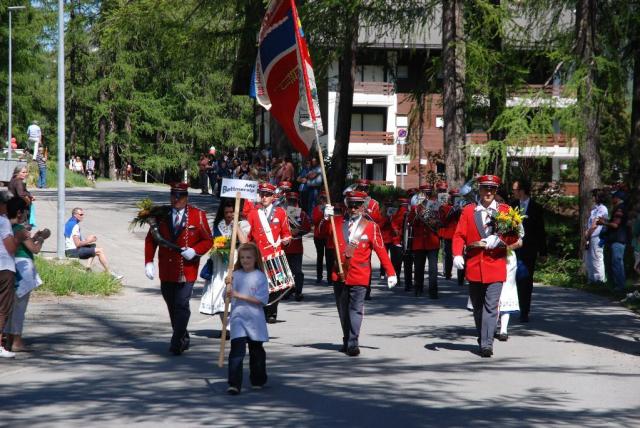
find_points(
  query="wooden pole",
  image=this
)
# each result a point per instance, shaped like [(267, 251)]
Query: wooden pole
[(234, 235)]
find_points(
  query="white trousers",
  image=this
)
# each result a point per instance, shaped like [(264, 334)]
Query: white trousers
[(15, 324), (594, 262)]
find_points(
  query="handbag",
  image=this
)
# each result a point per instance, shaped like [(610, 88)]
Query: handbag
[(207, 270)]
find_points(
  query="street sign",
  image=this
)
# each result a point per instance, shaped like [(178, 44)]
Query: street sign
[(402, 134)]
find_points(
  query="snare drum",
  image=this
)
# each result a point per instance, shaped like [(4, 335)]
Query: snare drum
[(278, 272)]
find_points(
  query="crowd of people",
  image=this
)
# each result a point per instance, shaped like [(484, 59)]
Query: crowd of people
[(405, 234)]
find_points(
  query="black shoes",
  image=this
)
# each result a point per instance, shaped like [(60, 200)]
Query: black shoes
[(524, 318), (502, 337), (486, 352), (354, 351), (271, 320), (299, 297)]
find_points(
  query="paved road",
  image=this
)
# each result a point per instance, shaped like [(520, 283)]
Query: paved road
[(104, 361)]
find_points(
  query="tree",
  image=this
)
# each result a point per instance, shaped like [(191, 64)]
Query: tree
[(453, 70)]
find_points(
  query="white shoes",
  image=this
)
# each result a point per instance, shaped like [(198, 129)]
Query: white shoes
[(6, 354), (117, 276)]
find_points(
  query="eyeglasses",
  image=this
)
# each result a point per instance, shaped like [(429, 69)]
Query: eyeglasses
[(354, 205), (265, 194), (80, 214)]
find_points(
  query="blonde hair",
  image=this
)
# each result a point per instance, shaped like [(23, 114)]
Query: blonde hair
[(249, 246)]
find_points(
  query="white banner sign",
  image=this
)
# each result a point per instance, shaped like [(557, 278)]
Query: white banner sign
[(248, 189)]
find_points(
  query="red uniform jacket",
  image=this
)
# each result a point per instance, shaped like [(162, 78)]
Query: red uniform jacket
[(484, 266), (423, 237), (359, 271), (295, 246), (373, 209), (450, 222), (194, 233), (279, 228), (387, 230), (316, 217), (397, 221)]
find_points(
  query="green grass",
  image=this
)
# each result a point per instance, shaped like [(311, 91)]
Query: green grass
[(69, 277), (71, 179)]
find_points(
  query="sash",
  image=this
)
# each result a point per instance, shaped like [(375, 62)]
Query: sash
[(477, 216), (265, 223), (352, 240)]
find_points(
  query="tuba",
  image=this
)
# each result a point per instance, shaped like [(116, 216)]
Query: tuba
[(428, 211)]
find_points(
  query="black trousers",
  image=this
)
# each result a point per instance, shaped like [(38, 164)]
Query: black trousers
[(525, 288), (330, 257), (407, 261), (322, 252), (420, 257), (257, 362), (448, 258), (388, 248), (177, 296), (271, 311), (350, 304), (295, 264), (485, 299), (396, 259)]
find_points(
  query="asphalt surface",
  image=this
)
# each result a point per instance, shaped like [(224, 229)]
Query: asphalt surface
[(103, 362)]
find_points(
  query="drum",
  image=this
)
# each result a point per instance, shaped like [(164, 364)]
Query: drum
[(278, 272)]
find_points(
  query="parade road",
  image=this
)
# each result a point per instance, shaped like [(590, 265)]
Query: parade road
[(103, 361)]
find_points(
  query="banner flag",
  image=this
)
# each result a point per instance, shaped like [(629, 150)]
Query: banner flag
[(284, 79)]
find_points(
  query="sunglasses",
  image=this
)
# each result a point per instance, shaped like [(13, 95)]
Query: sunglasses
[(354, 205), (265, 194)]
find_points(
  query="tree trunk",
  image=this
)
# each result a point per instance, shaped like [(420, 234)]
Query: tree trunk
[(102, 135), (589, 157), (347, 77), (453, 90), (498, 90), (634, 140), (111, 147)]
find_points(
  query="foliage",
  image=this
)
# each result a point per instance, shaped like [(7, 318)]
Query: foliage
[(562, 272), (70, 277), (563, 235)]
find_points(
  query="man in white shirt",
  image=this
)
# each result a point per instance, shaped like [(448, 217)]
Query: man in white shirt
[(7, 269), (34, 137), (78, 247)]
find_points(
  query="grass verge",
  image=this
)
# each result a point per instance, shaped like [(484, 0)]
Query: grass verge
[(70, 277), (71, 179), (568, 273)]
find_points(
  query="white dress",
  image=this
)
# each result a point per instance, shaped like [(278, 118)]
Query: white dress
[(212, 301), (509, 296)]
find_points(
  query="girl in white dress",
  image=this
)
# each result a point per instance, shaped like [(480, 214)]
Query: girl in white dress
[(509, 296)]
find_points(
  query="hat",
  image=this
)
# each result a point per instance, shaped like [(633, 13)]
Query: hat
[(441, 185), (180, 188), (426, 187), (403, 201), (489, 180), (454, 191), (266, 187), (620, 194), (293, 195), (285, 184), (356, 196), (362, 182)]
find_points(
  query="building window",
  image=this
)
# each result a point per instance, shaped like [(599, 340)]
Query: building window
[(403, 72), (440, 168), (401, 168)]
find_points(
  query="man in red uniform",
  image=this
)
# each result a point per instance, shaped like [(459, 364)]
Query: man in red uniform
[(269, 230), (425, 245), (449, 223), (319, 239), (486, 259), (300, 226), (357, 236), (186, 227), (371, 205), (397, 224), (386, 230)]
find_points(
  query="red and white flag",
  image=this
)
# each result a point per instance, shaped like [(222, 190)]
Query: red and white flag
[(284, 79)]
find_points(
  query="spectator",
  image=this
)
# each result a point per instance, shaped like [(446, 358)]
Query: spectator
[(593, 252), (303, 188), (77, 247), (91, 167), (635, 240), (77, 166), (27, 278), (314, 180), (129, 173), (18, 187), (41, 161), (223, 172), (34, 136), (243, 171), (7, 270), (203, 168), (617, 236)]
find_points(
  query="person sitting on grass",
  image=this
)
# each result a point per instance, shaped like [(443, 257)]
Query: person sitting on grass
[(77, 247)]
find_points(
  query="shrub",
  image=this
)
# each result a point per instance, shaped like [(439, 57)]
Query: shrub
[(64, 278)]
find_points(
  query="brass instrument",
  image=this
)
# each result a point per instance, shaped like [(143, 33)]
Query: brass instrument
[(429, 213)]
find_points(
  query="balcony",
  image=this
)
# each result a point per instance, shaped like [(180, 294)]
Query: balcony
[(371, 137), (532, 89), (549, 140), (374, 88)]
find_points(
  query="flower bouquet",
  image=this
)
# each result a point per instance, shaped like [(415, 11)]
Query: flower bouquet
[(221, 246), (507, 225), (148, 213)]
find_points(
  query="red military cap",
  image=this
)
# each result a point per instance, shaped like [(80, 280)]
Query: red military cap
[(489, 180), (284, 185), (179, 188), (412, 191), (426, 187), (362, 182), (442, 186), (403, 201), (454, 192), (292, 195), (356, 196), (266, 187)]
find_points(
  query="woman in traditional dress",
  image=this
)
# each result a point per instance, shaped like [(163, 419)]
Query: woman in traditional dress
[(509, 303)]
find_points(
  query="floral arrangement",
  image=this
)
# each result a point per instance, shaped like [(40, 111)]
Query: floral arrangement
[(221, 245), (508, 223), (147, 211)]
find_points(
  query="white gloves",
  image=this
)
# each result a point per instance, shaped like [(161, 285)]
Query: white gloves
[(492, 241), (458, 262), (188, 253), (328, 211), (149, 270), (392, 281)]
